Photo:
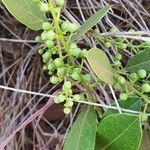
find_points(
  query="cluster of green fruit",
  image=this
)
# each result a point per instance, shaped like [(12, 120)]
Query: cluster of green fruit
[(56, 58), (135, 78)]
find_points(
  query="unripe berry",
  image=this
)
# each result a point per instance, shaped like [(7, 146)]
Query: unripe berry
[(50, 66), (47, 55), (121, 80), (117, 63), (59, 99), (76, 97), (69, 104), (122, 46), (64, 26), (58, 62), (75, 76), (75, 52), (72, 27), (46, 26), (37, 39), (117, 86), (87, 78), (44, 36), (44, 67), (54, 79), (144, 116), (118, 56), (123, 96), (67, 110), (119, 40), (60, 3), (107, 44), (44, 7), (146, 88), (142, 73), (84, 52), (49, 43), (67, 85), (50, 35), (61, 71), (133, 77), (73, 46), (40, 51)]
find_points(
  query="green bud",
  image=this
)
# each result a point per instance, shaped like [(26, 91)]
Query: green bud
[(54, 79), (40, 51), (68, 104), (61, 71), (50, 35), (47, 55), (67, 110), (107, 44), (75, 52), (72, 27), (66, 86), (121, 80), (49, 43), (117, 63), (144, 116), (46, 26), (117, 86), (142, 73), (58, 62), (44, 67), (87, 78), (75, 76), (61, 98), (76, 97), (37, 39), (146, 88), (51, 66), (118, 56), (44, 7), (60, 3), (84, 52), (73, 46), (133, 77), (123, 96), (44, 36)]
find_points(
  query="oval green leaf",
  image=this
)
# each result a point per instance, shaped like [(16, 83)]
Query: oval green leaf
[(119, 132), (26, 11), (100, 64), (90, 22), (140, 61), (83, 132)]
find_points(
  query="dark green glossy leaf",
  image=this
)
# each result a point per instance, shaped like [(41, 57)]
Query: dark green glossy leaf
[(83, 131), (119, 132), (26, 11), (100, 64), (89, 23), (140, 61)]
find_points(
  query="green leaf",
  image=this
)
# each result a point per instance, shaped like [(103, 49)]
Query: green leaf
[(100, 64), (90, 22), (140, 61), (26, 11), (145, 145), (132, 103), (83, 132), (119, 132)]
